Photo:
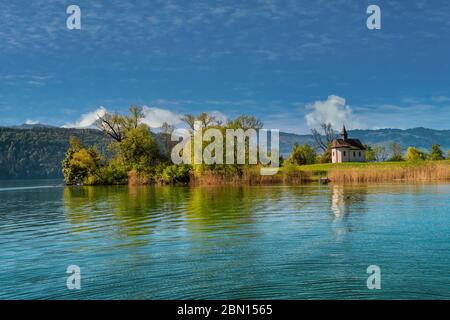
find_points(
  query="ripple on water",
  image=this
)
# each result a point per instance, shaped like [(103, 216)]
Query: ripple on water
[(299, 242)]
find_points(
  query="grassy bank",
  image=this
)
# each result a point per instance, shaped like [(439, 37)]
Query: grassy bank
[(380, 172)]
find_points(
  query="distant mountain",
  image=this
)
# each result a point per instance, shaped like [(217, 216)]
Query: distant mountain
[(31, 126), (421, 138), (417, 137), (36, 151)]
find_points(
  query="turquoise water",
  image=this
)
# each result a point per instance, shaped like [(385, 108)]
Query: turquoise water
[(262, 242)]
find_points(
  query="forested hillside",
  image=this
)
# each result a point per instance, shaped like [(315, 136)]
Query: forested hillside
[(37, 152)]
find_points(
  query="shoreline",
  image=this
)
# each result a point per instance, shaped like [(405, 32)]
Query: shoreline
[(339, 173)]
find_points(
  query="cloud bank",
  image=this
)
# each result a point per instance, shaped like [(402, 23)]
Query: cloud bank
[(334, 110), (87, 120), (155, 117)]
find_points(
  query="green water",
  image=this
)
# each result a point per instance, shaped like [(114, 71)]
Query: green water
[(262, 242)]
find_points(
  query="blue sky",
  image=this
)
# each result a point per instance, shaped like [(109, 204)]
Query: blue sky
[(292, 63)]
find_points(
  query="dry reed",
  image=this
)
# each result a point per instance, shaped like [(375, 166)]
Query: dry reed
[(422, 171), (250, 178)]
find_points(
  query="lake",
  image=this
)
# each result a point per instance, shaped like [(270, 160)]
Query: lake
[(228, 242)]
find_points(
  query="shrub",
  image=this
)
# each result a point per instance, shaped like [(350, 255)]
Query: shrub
[(325, 157), (302, 154), (176, 174)]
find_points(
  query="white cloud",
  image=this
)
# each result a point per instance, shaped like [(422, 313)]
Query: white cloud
[(31, 122), (87, 120), (155, 117), (334, 110)]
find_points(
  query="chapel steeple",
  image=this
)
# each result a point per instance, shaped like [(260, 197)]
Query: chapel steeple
[(344, 134)]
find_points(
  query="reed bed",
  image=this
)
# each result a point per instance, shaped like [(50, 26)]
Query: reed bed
[(343, 173), (420, 171), (250, 178)]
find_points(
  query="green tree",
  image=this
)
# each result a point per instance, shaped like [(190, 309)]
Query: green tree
[(302, 154), (113, 173), (370, 154), (117, 126), (80, 163), (245, 122), (436, 153), (137, 150), (206, 120), (325, 157), (414, 154), (134, 147)]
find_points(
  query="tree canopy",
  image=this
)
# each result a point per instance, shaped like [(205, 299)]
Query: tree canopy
[(436, 153)]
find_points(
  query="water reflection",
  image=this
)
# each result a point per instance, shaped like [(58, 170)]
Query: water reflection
[(202, 213), (346, 200), (226, 242), (122, 211), (214, 208)]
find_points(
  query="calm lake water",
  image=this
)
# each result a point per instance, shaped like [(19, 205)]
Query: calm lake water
[(262, 242)]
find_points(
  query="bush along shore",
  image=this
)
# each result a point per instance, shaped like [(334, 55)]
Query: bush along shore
[(136, 158)]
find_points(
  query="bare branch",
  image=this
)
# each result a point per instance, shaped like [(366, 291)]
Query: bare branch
[(328, 133), (318, 140), (110, 124)]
